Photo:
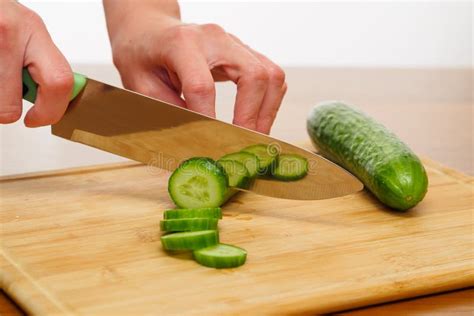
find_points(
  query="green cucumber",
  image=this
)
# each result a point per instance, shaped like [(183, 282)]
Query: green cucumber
[(250, 161), (290, 167), (238, 175), (188, 224), (387, 167), (221, 256), (190, 240), (198, 183), (210, 212), (266, 154)]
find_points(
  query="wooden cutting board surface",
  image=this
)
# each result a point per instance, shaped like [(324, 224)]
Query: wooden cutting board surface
[(86, 242)]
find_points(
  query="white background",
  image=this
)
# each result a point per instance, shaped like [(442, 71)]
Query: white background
[(342, 33), (327, 33)]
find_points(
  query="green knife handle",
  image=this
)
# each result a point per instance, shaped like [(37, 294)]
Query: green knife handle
[(30, 87)]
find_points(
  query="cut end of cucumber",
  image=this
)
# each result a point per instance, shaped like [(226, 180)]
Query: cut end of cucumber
[(249, 160), (195, 187), (290, 167), (198, 183), (221, 256), (267, 156), (238, 175)]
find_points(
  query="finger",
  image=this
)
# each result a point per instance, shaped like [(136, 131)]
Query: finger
[(196, 80), (251, 78), (10, 80), (147, 83), (273, 97), (51, 71), (251, 88), (275, 92)]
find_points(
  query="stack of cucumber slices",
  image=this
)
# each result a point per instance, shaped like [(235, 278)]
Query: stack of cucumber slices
[(200, 185), (202, 182), (196, 230)]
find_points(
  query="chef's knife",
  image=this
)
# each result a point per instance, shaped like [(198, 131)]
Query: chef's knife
[(162, 135)]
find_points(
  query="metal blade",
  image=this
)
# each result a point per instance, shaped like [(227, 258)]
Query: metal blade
[(163, 135)]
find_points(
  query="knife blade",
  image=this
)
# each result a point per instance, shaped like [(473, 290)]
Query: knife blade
[(163, 135)]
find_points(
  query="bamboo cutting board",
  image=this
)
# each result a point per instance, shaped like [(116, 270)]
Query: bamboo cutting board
[(86, 242)]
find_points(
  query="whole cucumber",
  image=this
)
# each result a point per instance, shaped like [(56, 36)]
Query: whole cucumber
[(387, 167)]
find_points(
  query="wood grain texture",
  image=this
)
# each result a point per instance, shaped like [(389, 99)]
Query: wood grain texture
[(87, 243), (460, 302)]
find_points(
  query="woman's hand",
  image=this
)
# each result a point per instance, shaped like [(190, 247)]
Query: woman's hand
[(157, 55), (25, 42)]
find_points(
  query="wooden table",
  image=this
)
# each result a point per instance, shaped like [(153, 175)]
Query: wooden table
[(431, 110)]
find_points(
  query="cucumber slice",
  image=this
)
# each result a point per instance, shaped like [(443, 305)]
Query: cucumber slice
[(266, 154), (210, 212), (198, 183), (221, 256), (238, 175), (290, 167), (188, 224), (190, 240), (250, 161)]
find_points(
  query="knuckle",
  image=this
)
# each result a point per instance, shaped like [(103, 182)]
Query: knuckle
[(34, 20), (14, 24), (277, 75), (258, 73), (200, 88), (182, 32), (6, 29), (213, 28), (61, 80)]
